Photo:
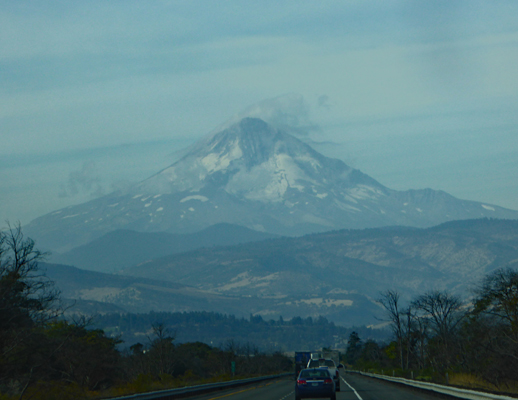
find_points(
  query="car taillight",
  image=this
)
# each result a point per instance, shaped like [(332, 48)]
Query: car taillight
[(301, 382), (328, 381), (337, 374)]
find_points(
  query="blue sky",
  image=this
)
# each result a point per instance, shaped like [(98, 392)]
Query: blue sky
[(101, 94)]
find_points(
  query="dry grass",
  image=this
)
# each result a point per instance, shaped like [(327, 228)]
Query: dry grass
[(471, 381)]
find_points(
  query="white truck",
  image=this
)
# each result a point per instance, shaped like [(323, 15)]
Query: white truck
[(329, 359)]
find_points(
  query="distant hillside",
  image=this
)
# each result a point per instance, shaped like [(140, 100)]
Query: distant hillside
[(94, 293), (338, 275), (333, 265), (124, 248)]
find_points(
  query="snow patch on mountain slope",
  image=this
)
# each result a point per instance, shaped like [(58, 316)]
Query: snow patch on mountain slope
[(195, 197), (304, 158), (270, 180), (215, 162), (362, 192), (346, 207)]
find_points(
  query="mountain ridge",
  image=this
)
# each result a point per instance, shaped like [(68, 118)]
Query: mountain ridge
[(337, 274), (123, 247), (257, 176), (450, 256)]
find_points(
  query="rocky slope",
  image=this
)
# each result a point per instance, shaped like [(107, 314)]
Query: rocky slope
[(453, 256)]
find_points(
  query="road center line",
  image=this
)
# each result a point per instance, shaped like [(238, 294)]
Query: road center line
[(353, 389), (289, 394)]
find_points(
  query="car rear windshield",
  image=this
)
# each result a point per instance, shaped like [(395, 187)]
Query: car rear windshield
[(314, 373)]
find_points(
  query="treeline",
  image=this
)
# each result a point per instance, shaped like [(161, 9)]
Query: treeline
[(216, 329), (43, 356), (439, 336)]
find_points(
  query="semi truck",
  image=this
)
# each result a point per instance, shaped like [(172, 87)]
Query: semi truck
[(301, 361)]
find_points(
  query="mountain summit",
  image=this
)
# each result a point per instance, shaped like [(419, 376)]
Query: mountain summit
[(253, 161), (254, 175)]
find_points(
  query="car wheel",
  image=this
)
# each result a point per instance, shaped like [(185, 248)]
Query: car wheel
[(333, 397), (338, 388), (298, 398)]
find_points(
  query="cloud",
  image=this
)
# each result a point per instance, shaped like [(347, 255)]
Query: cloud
[(323, 101), (121, 185), (289, 112), (83, 182)]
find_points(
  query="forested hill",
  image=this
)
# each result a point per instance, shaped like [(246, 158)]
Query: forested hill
[(220, 329)]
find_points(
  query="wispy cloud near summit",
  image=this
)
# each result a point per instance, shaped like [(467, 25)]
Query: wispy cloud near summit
[(289, 112)]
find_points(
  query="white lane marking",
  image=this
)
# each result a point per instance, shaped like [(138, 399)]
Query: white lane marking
[(285, 397), (353, 389)]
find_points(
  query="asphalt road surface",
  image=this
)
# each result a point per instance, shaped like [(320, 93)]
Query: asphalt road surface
[(354, 387)]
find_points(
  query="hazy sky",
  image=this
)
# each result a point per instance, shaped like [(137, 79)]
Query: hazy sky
[(99, 94)]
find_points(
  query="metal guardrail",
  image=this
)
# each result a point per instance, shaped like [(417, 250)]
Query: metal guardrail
[(199, 389), (448, 390)]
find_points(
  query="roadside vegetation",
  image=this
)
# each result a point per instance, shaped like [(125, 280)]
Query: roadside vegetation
[(441, 338), (44, 356)]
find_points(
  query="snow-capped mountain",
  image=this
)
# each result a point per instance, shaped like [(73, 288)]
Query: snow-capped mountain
[(254, 175), (254, 165)]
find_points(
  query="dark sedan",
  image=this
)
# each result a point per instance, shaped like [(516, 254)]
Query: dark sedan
[(315, 383)]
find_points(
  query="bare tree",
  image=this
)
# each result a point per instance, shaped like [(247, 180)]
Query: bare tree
[(442, 309), (22, 285), (391, 302), (162, 350), (498, 296), (420, 331), (28, 300), (409, 330), (444, 313), (493, 327)]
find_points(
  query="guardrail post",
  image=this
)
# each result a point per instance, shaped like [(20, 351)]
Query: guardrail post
[(447, 379), (393, 373), (412, 375)]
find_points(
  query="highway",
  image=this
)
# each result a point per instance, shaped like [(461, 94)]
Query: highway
[(354, 387)]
